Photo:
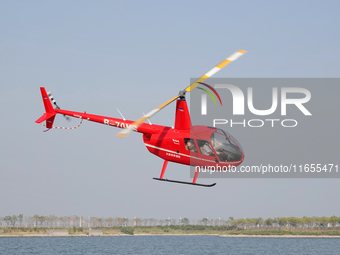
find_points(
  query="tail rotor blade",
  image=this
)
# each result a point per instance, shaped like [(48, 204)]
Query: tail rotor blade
[(67, 118), (57, 106), (52, 99)]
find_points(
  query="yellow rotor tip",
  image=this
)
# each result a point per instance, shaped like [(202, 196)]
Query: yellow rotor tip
[(121, 135), (242, 51)]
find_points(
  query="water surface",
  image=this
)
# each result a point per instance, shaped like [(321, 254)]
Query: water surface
[(166, 245)]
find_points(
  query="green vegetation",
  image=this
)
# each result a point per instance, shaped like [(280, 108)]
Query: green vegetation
[(20, 225), (75, 231), (182, 230), (127, 230)]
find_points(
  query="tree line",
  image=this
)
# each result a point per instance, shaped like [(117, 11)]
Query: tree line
[(53, 221)]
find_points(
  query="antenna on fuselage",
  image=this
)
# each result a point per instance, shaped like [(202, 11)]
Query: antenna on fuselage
[(147, 119), (172, 126), (121, 114)]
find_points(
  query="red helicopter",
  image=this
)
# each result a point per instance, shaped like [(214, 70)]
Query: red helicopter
[(186, 144)]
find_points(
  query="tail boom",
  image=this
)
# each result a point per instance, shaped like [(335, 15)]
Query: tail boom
[(113, 122), (50, 114)]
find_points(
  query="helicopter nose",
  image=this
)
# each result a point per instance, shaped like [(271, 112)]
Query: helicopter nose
[(243, 156)]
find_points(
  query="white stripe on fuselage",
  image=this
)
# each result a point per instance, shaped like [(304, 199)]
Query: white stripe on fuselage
[(158, 148)]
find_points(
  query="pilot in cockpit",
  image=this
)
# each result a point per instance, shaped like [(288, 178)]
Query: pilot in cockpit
[(206, 149), (221, 153)]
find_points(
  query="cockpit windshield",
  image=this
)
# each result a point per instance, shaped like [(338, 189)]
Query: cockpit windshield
[(226, 146)]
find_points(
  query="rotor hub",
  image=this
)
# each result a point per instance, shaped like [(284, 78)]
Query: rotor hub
[(181, 94)]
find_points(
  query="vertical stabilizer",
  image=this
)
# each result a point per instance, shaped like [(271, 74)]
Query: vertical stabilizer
[(182, 120), (49, 114)]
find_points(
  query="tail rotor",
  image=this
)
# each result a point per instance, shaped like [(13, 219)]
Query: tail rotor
[(57, 106)]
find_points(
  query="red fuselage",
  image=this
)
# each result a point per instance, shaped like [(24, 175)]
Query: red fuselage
[(170, 143), (183, 144)]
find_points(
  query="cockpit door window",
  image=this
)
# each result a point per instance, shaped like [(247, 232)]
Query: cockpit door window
[(205, 148), (225, 147), (190, 145)]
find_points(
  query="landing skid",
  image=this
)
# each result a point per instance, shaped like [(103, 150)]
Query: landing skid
[(190, 183)]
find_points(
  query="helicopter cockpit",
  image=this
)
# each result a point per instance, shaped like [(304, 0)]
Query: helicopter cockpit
[(226, 146)]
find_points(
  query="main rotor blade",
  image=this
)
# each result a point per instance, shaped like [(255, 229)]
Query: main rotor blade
[(215, 69), (135, 124)]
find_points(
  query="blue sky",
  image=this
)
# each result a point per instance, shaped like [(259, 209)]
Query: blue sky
[(98, 55)]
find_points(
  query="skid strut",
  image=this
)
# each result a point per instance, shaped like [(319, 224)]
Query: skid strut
[(163, 169), (165, 164)]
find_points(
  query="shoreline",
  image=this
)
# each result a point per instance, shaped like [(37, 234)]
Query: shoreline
[(217, 235)]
